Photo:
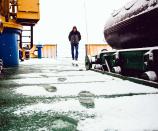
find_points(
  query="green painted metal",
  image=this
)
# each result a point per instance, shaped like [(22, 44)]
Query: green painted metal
[(133, 60)]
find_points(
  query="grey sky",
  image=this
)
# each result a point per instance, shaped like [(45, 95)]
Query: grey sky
[(58, 17)]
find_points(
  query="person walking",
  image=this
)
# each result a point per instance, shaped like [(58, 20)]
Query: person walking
[(74, 38)]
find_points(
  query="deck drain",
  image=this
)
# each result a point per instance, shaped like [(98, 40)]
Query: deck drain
[(50, 88), (86, 99), (62, 79)]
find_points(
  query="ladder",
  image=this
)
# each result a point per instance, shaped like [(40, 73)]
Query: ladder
[(26, 37)]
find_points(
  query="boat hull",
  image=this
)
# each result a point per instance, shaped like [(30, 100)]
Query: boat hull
[(138, 31)]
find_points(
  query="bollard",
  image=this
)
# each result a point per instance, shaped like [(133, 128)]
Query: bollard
[(39, 47), (9, 52)]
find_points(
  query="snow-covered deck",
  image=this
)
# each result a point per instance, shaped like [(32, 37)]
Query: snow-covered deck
[(53, 87)]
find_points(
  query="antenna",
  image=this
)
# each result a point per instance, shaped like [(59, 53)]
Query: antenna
[(85, 15)]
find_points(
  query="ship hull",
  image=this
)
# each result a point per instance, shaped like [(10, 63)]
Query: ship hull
[(137, 32)]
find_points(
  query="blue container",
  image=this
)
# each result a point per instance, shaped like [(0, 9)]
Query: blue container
[(39, 47), (9, 52)]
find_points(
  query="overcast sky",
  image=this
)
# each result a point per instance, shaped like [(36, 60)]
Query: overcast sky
[(59, 16)]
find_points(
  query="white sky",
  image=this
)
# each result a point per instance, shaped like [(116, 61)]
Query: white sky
[(59, 16)]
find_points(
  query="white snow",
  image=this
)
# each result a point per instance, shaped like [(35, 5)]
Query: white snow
[(101, 88), (126, 113), (129, 113)]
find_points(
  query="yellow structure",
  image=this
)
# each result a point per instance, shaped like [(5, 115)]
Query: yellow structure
[(20, 11), (14, 14), (12, 25), (33, 52), (28, 11)]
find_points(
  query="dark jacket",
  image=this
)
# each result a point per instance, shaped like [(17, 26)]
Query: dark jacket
[(74, 37)]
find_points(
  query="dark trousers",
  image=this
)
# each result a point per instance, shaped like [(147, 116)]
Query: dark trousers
[(74, 51)]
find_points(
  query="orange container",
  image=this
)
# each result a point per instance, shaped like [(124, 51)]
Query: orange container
[(94, 49), (48, 51)]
